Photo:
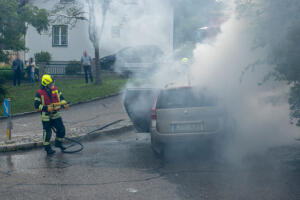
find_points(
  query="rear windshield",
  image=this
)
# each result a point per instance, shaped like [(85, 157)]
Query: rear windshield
[(184, 97)]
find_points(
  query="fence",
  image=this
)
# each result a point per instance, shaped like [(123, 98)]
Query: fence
[(64, 69), (56, 68)]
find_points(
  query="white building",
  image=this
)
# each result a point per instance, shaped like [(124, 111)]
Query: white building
[(128, 23)]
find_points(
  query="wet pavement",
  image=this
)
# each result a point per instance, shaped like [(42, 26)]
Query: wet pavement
[(122, 166)]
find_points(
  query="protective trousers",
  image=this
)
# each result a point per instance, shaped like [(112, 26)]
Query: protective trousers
[(58, 125)]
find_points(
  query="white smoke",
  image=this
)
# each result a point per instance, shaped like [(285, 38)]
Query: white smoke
[(261, 111), (132, 23)]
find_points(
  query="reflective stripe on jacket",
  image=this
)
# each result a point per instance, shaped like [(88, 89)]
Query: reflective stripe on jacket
[(43, 99)]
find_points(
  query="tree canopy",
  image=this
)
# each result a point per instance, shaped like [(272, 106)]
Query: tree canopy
[(15, 15), (276, 26), (190, 17)]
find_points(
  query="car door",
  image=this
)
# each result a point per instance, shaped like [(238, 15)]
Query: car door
[(138, 103)]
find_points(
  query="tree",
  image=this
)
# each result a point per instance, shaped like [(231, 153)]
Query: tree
[(189, 17), (15, 15), (71, 13), (276, 26)]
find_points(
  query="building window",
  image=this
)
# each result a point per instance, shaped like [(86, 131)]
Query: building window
[(60, 35)]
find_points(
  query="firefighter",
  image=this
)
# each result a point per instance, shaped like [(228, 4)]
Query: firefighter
[(43, 102), (185, 63)]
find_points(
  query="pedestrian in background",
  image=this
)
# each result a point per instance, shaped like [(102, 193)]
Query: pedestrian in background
[(17, 67), (31, 70), (86, 64)]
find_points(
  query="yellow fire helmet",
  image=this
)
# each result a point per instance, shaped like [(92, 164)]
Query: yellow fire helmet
[(46, 79), (184, 60)]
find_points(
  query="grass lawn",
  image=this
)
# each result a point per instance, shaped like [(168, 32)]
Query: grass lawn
[(74, 90)]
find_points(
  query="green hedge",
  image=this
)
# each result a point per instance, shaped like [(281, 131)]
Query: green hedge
[(9, 75), (42, 56), (73, 68), (6, 66)]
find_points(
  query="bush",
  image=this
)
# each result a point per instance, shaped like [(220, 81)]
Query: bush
[(4, 56), (5, 66), (9, 75), (43, 56), (73, 68)]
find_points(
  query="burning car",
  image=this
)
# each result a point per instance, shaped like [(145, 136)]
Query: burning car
[(189, 116), (179, 115)]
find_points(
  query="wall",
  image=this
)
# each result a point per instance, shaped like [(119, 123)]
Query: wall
[(146, 23)]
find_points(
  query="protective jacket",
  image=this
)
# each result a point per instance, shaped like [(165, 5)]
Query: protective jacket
[(45, 97)]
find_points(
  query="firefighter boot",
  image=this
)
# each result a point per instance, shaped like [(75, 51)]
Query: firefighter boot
[(59, 144), (49, 150)]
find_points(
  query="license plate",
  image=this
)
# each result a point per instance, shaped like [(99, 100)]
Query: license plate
[(188, 127)]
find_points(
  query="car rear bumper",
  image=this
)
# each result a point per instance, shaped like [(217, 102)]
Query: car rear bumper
[(190, 138)]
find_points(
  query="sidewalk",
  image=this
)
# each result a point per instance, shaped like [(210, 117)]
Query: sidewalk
[(79, 120)]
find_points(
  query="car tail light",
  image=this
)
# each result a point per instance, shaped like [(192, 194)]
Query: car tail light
[(153, 111), (153, 114)]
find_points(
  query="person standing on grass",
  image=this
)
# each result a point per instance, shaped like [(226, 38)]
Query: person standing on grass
[(17, 67), (31, 70), (86, 64)]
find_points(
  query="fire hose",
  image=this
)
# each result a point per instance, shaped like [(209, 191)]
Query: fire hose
[(77, 142)]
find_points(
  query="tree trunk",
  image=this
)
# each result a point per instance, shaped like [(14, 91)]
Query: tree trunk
[(98, 80)]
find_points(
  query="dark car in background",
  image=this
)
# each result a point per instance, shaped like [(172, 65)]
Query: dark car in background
[(133, 60)]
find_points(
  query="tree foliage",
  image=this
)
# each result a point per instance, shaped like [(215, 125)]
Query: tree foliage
[(15, 15), (42, 56), (276, 26), (190, 17)]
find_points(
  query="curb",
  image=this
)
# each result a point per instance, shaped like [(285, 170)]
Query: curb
[(72, 104), (83, 137)]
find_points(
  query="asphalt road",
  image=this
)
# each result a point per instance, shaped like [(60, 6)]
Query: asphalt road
[(122, 166)]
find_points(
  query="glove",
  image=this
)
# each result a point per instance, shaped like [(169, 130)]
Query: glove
[(50, 108), (66, 106), (56, 108)]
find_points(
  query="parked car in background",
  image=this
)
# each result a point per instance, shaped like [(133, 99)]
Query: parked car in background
[(133, 60), (187, 116)]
